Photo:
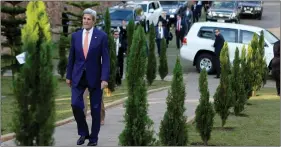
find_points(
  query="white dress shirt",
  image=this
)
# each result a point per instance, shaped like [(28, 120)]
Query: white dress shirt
[(160, 31), (89, 36), (117, 45)]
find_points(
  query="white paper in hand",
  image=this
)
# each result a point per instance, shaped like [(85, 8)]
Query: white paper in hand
[(21, 57)]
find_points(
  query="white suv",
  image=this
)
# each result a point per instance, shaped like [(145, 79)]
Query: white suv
[(198, 43), (152, 10)]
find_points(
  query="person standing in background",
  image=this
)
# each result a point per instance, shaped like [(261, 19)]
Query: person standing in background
[(276, 65), (120, 57), (86, 70), (218, 44), (188, 18), (180, 30), (161, 33), (65, 22), (165, 23)]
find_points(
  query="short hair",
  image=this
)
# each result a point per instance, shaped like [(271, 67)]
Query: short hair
[(217, 29), (92, 12)]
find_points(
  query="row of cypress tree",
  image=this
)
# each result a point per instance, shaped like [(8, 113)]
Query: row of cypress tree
[(237, 83)]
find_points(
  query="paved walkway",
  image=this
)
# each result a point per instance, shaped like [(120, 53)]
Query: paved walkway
[(66, 135)]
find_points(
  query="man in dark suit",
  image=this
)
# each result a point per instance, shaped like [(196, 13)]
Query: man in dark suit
[(161, 33), (218, 44), (88, 67), (276, 65), (180, 28), (195, 8), (188, 18), (165, 23), (120, 57)]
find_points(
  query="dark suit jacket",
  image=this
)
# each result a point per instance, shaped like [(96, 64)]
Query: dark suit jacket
[(183, 28), (165, 32), (165, 22), (188, 18), (276, 59), (95, 70), (218, 44)]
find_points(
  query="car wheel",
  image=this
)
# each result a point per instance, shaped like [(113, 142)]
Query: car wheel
[(259, 16), (205, 60)]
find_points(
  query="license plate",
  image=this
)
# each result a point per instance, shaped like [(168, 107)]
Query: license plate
[(248, 12), (220, 20)]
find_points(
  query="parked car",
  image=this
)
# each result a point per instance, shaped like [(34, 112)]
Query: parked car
[(224, 11), (125, 12), (236, 35), (173, 8), (152, 10), (254, 8)]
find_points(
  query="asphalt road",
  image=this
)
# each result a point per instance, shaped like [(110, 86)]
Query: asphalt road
[(270, 20)]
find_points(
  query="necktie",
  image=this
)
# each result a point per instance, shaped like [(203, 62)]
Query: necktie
[(85, 47)]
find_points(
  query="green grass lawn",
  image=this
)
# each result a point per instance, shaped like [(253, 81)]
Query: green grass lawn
[(63, 108), (259, 127)]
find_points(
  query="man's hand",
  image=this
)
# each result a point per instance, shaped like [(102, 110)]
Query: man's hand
[(68, 82), (103, 84)]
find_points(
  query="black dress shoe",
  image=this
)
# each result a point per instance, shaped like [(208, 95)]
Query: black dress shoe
[(92, 144), (82, 139)]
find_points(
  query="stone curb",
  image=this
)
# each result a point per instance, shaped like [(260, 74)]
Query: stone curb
[(10, 136)]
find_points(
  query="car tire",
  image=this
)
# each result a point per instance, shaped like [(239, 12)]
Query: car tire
[(205, 58), (259, 16)]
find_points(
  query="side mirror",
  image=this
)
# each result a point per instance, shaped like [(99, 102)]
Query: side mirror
[(151, 11)]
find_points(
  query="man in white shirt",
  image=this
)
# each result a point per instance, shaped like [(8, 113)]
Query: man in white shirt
[(120, 51), (161, 33)]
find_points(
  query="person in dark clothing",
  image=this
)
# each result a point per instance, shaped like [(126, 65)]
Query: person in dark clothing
[(218, 44), (123, 35), (276, 65), (120, 57), (180, 28), (165, 23), (195, 11), (65, 21), (161, 33), (188, 18)]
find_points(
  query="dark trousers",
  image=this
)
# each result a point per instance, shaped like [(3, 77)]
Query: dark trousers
[(78, 106), (276, 76), (195, 17), (119, 72), (158, 43), (65, 30), (217, 65), (179, 39)]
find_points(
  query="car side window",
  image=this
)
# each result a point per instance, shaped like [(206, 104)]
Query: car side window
[(229, 35), (150, 6), (246, 36), (156, 5), (206, 33)]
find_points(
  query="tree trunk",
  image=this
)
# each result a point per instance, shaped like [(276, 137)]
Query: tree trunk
[(253, 93), (205, 142)]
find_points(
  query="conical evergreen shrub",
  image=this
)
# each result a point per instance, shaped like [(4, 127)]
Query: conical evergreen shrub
[(138, 129), (34, 116), (163, 65), (223, 96), (237, 84), (246, 70), (151, 62), (112, 52), (204, 112), (173, 127)]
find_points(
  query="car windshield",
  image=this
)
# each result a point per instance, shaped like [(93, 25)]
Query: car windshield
[(168, 2), (144, 7), (222, 5), (121, 14), (270, 37), (255, 2)]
